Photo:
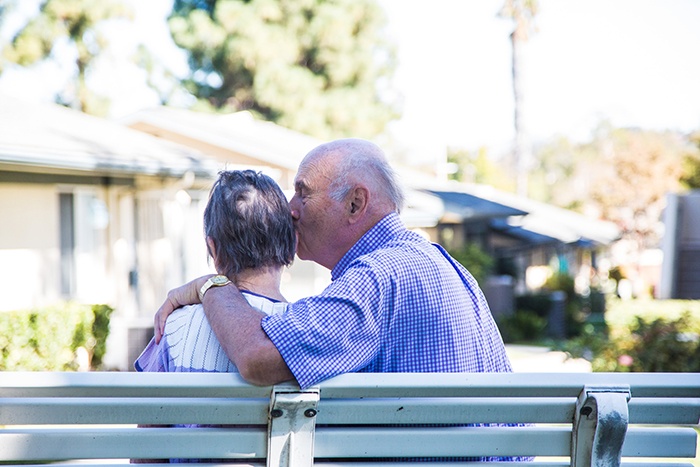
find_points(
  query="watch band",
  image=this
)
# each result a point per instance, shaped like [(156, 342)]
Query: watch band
[(214, 281)]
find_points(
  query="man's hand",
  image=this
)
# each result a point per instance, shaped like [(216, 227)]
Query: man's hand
[(187, 294)]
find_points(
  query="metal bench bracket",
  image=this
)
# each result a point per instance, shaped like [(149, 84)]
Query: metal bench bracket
[(600, 426), (291, 426)]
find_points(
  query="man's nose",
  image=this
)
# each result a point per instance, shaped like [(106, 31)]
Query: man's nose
[(293, 206)]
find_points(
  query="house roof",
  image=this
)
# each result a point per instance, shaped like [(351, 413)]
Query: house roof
[(237, 132), (529, 236), (525, 218), (469, 207), (39, 136)]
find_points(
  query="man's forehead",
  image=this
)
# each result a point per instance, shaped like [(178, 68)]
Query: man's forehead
[(311, 173)]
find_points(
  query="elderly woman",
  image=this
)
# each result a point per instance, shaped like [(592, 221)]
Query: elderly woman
[(250, 237)]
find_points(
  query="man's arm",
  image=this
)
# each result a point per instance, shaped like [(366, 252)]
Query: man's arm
[(237, 326)]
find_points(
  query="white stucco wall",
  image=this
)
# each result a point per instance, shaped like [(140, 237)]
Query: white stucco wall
[(29, 246)]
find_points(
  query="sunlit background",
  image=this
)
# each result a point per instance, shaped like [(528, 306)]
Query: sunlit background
[(561, 157)]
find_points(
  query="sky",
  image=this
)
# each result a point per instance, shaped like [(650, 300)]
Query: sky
[(627, 62)]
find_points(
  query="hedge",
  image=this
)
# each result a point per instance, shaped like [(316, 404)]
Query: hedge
[(644, 335), (52, 338)]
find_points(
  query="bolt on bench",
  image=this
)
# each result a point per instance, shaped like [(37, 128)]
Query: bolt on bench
[(579, 419)]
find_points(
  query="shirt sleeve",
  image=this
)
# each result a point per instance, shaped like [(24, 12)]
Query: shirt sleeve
[(336, 332), (154, 357)]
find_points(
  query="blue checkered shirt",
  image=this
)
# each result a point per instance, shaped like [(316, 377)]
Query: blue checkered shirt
[(396, 303)]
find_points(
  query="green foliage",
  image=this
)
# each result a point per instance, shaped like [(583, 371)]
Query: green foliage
[(644, 335), (478, 168), (537, 303), (563, 282), (620, 175), (636, 171), (690, 179), (523, 326), (76, 22), (475, 259), (48, 339), (100, 332), (576, 311), (315, 67)]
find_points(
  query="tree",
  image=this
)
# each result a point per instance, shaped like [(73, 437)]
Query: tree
[(523, 13), (76, 22), (690, 179), (313, 66), (636, 170), (477, 168), (563, 173)]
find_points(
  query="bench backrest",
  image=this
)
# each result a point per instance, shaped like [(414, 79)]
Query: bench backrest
[(571, 419)]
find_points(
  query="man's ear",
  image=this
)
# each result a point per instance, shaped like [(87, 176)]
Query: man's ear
[(359, 197)]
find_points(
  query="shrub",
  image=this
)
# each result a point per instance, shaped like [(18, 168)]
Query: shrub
[(523, 325), (536, 303), (644, 335), (475, 259), (48, 339), (662, 345), (541, 303), (100, 332)]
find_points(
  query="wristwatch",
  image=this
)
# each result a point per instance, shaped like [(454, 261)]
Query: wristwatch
[(214, 281)]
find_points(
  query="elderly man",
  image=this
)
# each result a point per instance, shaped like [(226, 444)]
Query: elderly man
[(397, 303)]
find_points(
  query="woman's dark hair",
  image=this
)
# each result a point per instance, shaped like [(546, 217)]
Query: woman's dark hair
[(249, 219)]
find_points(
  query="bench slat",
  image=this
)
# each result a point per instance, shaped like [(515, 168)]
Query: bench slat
[(117, 384), (367, 442), (442, 411), (680, 411), (36, 411), (441, 442), (150, 443), (493, 410), (335, 411), (494, 441), (660, 442), (535, 463), (507, 384)]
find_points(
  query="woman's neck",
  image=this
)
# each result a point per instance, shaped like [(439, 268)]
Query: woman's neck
[(263, 281)]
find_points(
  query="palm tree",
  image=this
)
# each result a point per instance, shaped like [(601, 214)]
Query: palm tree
[(522, 12)]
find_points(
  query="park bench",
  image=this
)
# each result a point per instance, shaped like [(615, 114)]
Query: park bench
[(577, 419)]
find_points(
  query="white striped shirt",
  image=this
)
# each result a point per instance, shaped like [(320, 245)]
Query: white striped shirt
[(189, 343)]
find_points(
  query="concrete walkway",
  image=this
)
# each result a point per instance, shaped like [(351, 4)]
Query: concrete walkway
[(531, 359)]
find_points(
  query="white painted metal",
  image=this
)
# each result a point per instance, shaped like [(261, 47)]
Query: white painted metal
[(123, 384), (292, 426), (115, 443), (122, 410), (360, 416), (600, 425), (506, 384), (402, 410)]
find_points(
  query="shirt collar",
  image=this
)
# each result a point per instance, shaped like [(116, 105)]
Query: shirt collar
[(385, 229)]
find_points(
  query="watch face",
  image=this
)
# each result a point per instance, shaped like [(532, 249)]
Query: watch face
[(219, 280)]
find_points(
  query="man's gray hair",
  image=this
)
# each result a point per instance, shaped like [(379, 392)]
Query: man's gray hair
[(249, 219), (366, 161)]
